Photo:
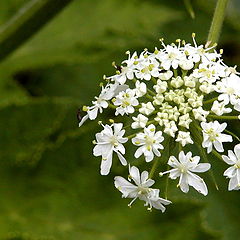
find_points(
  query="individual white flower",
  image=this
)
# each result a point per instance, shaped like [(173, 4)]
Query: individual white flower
[(206, 72), (166, 75), (185, 120), (141, 88), (101, 101), (139, 122), (140, 188), (158, 99), (229, 88), (160, 87), (109, 91), (200, 114), (147, 108), (110, 140), (233, 172), (126, 100), (148, 69), (149, 143), (177, 82), (219, 108), (170, 128), (171, 58), (190, 81), (184, 169), (184, 138), (206, 87), (127, 71), (213, 136), (186, 64)]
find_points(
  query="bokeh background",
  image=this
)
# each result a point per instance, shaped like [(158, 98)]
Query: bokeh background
[(50, 185)]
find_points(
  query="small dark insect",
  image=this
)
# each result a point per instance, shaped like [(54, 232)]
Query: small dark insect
[(118, 68), (79, 118), (163, 71)]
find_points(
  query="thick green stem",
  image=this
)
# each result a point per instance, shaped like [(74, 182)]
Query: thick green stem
[(217, 21), (27, 22), (223, 117)]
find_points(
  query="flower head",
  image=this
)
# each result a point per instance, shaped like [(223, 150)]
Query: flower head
[(170, 98)]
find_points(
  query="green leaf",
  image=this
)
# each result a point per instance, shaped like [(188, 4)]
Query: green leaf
[(34, 126), (64, 197)]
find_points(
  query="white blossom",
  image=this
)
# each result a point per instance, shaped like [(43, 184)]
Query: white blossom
[(146, 108), (175, 91), (149, 143), (110, 140), (200, 114), (219, 108), (184, 168), (140, 188), (184, 138), (139, 122), (233, 172), (229, 88), (126, 100), (166, 75), (141, 88), (213, 136)]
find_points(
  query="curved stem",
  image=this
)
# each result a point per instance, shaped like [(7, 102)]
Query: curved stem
[(217, 21), (30, 18), (232, 134)]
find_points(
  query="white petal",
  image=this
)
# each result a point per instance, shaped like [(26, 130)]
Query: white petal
[(183, 183), (201, 167), (83, 120), (93, 113), (237, 150), (174, 173), (117, 127), (173, 162), (228, 160), (233, 183), (148, 183), (106, 165), (196, 182), (122, 159), (134, 173), (144, 176), (125, 187), (218, 145), (230, 172), (139, 152)]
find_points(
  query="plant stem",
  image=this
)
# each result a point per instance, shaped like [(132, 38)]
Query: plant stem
[(223, 117), (217, 21), (232, 134), (163, 156), (29, 19), (210, 100)]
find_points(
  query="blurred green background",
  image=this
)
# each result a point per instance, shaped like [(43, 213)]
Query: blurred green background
[(50, 185)]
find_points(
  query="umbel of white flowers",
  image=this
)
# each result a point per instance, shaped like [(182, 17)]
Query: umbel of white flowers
[(177, 98)]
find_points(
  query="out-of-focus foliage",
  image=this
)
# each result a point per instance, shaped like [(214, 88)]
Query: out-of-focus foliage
[(50, 183)]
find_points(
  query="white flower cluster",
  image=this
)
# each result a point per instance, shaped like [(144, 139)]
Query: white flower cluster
[(173, 98)]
